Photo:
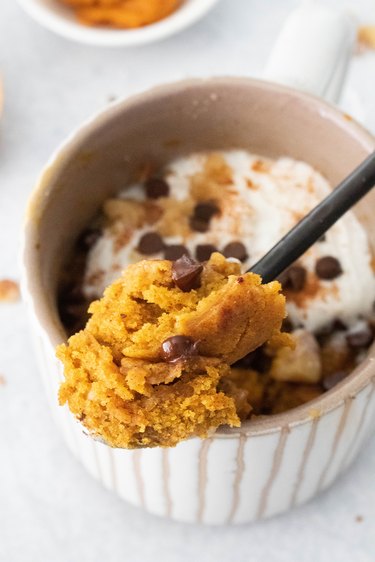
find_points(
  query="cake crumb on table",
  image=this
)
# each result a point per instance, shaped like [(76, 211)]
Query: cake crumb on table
[(359, 518), (3, 380), (9, 291), (365, 38)]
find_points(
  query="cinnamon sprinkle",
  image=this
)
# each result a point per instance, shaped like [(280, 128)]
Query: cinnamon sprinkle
[(260, 166), (311, 289)]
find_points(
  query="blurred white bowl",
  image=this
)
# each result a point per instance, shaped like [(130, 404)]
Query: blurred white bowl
[(60, 19)]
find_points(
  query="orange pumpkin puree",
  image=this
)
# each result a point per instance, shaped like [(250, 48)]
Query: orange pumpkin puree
[(121, 13)]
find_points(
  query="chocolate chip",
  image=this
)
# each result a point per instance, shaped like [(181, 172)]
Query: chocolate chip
[(235, 250), (360, 338), (150, 243), (198, 225), (186, 274), (338, 325), (203, 213), (328, 268), (287, 325), (156, 187), (175, 251), (294, 278), (87, 238), (178, 348), (329, 381), (297, 277), (283, 278), (203, 251)]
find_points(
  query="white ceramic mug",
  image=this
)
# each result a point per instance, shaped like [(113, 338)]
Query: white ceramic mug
[(270, 464)]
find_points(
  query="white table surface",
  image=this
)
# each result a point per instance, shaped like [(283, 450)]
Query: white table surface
[(50, 509)]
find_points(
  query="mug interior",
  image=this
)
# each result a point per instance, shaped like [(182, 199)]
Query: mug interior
[(106, 154)]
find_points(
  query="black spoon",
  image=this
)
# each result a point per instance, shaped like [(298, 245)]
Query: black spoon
[(317, 222)]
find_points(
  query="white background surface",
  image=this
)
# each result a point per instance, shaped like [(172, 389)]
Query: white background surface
[(50, 510)]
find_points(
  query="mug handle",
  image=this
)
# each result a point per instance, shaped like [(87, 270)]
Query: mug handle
[(313, 51)]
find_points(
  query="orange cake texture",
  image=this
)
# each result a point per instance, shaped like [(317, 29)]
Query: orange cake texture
[(152, 365)]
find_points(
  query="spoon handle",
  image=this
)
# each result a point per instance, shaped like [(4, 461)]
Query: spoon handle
[(317, 222)]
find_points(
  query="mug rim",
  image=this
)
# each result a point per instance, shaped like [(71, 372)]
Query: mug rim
[(362, 375)]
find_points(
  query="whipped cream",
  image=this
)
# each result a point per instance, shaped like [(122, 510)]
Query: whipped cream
[(265, 201)]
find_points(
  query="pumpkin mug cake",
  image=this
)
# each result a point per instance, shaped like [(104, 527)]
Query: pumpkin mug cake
[(273, 460), (118, 380)]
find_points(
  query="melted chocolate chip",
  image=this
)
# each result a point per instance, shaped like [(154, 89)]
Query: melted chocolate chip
[(294, 278), (329, 381), (235, 250), (178, 348), (360, 338), (328, 268), (175, 251), (88, 238), (186, 274), (150, 243), (156, 187), (203, 213), (203, 251)]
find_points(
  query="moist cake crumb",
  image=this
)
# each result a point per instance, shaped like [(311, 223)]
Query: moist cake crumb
[(147, 369)]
